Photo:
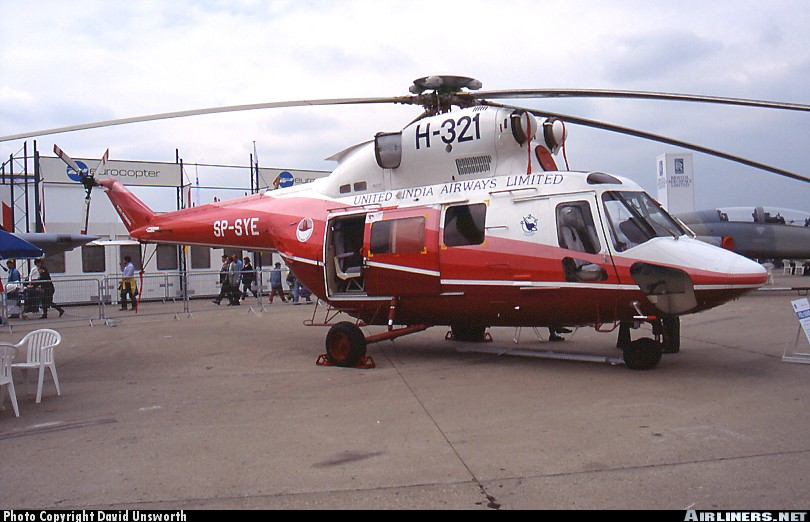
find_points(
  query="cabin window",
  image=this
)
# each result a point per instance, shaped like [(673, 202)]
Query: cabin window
[(345, 189), (134, 252), (200, 257), (360, 186), (398, 236), (167, 257), (575, 227), (464, 225), (56, 263), (93, 259)]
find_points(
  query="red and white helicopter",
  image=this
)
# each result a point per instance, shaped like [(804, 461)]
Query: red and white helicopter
[(464, 219)]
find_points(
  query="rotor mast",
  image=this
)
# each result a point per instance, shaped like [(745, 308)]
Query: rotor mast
[(446, 92)]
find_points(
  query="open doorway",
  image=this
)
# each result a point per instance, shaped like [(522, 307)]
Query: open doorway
[(343, 257)]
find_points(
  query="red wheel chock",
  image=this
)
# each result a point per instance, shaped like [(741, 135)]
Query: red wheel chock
[(366, 363)]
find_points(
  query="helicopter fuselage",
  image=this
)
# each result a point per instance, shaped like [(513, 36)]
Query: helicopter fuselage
[(482, 231)]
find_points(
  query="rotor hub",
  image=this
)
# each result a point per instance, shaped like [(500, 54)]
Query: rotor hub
[(444, 84), (447, 92)]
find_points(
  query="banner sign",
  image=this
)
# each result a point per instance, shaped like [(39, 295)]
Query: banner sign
[(54, 170)]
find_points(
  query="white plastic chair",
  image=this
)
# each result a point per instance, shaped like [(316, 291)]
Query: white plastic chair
[(7, 354), (40, 346)]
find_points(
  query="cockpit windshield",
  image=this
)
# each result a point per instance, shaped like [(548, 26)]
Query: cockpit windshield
[(634, 218)]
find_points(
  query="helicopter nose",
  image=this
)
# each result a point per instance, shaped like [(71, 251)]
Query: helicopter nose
[(686, 275), (703, 261), (717, 266)]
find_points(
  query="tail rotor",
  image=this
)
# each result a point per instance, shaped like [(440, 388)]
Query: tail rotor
[(86, 177)]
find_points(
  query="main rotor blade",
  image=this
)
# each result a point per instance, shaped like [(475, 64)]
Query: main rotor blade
[(656, 137), (212, 110), (648, 95)]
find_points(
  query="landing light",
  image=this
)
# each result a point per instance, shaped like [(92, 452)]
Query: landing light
[(554, 133), (524, 126)]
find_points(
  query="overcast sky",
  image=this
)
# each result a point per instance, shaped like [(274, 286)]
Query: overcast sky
[(69, 62)]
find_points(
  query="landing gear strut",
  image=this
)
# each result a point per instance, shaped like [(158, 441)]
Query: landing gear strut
[(346, 344)]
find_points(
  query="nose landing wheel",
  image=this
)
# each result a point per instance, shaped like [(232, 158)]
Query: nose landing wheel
[(642, 354)]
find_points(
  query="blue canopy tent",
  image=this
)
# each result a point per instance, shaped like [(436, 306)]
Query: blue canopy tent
[(12, 247)]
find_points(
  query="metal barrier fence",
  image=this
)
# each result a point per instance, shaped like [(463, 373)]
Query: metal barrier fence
[(79, 299), (89, 299), (155, 294)]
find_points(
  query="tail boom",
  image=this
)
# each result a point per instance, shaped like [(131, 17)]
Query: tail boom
[(133, 212)]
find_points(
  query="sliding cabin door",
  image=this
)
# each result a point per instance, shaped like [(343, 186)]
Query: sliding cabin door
[(401, 252)]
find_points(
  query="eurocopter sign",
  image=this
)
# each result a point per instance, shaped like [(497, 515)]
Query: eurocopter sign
[(54, 170)]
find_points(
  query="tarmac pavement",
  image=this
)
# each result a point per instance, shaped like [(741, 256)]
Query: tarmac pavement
[(227, 409)]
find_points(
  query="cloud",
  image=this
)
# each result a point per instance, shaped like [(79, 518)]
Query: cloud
[(71, 62), (658, 55)]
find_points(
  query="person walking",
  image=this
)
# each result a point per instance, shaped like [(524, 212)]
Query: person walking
[(248, 279), (275, 283), (47, 289), (224, 285), (128, 286), (301, 291), (33, 293), (234, 278), (292, 283)]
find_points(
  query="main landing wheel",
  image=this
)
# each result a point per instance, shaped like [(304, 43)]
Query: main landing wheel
[(468, 333), (642, 354), (345, 344)]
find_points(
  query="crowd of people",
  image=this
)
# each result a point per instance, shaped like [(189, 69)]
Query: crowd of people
[(237, 279), (33, 294)]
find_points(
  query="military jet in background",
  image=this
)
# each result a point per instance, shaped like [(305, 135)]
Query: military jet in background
[(761, 233), (54, 243)]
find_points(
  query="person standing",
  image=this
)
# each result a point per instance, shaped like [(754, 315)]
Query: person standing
[(275, 283), (128, 285), (14, 289), (47, 289), (13, 273)]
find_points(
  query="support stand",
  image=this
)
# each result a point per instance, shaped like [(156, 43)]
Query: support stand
[(802, 309), (795, 356)]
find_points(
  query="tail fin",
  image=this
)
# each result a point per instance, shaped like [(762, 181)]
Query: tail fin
[(134, 212)]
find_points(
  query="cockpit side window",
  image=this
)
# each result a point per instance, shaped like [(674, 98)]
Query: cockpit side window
[(634, 218), (575, 227)]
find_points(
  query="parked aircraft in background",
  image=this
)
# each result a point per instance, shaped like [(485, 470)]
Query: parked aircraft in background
[(55, 243), (761, 233)]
